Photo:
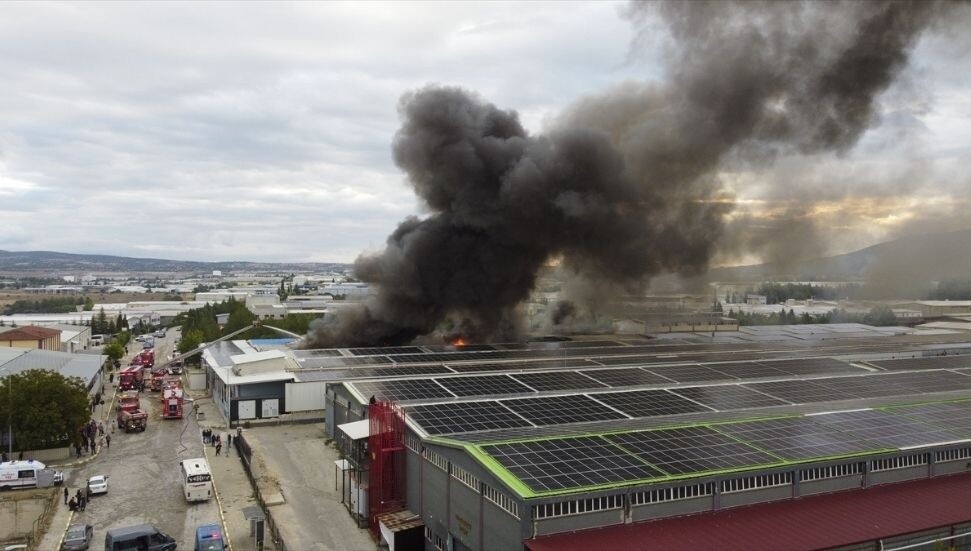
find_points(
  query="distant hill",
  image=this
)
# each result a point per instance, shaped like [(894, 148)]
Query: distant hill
[(47, 261), (912, 260)]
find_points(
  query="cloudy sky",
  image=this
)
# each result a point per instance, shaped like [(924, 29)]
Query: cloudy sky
[(247, 131)]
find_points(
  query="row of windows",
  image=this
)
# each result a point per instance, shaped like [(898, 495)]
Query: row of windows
[(437, 541), (832, 471), (756, 482), (500, 499), (577, 506), (435, 459), (898, 462), (412, 442), (465, 477), (954, 455), (672, 494)]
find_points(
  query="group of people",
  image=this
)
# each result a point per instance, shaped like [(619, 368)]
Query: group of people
[(79, 501), (216, 440), (92, 435)]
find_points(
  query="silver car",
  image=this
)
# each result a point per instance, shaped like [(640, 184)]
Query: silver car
[(78, 537)]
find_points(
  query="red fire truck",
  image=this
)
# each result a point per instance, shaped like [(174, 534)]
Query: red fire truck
[(130, 378), (130, 418), (172, 398), (158, 378)]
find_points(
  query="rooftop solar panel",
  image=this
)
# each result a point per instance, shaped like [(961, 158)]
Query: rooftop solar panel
[(886, 429), (464, 417), (633, 376), (935, 362), (559, 410), (800, 392), (691, 373), (557, 380), (797, 438), (648, 403), (691, 450), (812, 366), (385, 350), (746, 370), (569, 463), (483, 385), (954, 416), (402, 389), (728, 397)]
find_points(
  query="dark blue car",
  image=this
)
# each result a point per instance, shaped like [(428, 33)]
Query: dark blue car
[(209, 537)]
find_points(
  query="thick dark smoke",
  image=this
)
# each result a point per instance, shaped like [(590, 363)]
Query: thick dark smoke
[(563, 311), (625, 185)]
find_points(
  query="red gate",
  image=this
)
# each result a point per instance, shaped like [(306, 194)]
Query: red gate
[(386, 471)]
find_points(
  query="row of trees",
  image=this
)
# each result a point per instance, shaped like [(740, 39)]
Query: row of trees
[(952, 289), (199, 325), (54, 305), (878, 316)]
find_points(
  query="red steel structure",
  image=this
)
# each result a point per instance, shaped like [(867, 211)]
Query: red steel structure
[(386, 470)]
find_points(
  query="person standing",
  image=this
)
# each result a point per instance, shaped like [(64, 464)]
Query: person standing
[(65, 495), (108, 441), (218, 447)]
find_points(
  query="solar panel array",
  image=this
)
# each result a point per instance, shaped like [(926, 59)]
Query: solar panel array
[(933, 362), (636, 457)]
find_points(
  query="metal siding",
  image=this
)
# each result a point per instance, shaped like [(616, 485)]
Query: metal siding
[(305, 396)]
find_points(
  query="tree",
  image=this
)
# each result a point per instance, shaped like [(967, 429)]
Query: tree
[(88, 304), (46, 409), (880, 315), (115, 351), (190, 340)]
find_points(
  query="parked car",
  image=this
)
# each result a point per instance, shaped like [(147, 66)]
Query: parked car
[(143, 537), (209, 537), (160, 334), (78, 537), (98, 484)]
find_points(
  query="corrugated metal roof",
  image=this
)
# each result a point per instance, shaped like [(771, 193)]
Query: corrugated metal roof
[(85, 366), (819, 522)]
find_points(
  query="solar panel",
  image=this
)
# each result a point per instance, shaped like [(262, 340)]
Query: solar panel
[(728, 397), (691, 450), (402, 389), (797, 438), (648, 403), (690, 373), (569, 463), (464, 417), (483, 385), (955, 416), (812, 366), (886, 429), (746, 370), (560, 410), (800, 392), (935, 362), (385, 350), (557, 380), (633, 376), (324, 362), (369, 372)]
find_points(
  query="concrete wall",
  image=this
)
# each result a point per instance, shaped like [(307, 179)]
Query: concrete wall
[(671, 508), (952, 467), (464, 509), (827, 485), (897, 475), (502, 530), (749, 497), (582, 521), (19, 510)]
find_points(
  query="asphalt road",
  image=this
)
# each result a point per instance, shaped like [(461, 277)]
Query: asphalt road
[(144, 484)]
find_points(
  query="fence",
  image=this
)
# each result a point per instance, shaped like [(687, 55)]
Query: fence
[(246, 456)]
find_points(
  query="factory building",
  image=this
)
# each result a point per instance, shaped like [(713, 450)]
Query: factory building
[(611, 443)]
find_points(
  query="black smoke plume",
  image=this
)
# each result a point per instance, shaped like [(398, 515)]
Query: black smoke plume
[(625, 185)]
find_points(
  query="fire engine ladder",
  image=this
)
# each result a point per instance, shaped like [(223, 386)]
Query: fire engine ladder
[(203, 348)]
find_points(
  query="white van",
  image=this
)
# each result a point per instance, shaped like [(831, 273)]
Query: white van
[(97, 340)]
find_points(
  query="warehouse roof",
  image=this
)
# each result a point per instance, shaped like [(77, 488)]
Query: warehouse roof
[(821, 522), (29, 332)]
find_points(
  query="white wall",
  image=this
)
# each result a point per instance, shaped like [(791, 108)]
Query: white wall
[(305, 396)]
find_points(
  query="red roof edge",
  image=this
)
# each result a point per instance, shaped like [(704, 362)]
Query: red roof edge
[(812, 522)]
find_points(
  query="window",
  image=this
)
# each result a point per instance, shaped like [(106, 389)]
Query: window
[(577, 506), (953, 455), (412, 442), (672, 494), (832, 471), (756, 482), (901, 462), (500, 499), (465, 477), (435, 459)]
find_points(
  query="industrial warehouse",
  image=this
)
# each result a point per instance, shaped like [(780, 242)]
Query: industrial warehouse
[(523, 445)]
